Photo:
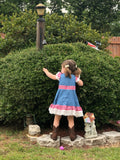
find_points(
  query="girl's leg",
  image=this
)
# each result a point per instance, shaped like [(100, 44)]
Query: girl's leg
[(71, 127), (56, 121), (55, 127), (70, 121)]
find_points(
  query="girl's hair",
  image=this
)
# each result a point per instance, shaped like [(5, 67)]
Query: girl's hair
[(71, 68)]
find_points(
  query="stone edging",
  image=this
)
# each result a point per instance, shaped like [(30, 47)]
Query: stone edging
[(106, 138)]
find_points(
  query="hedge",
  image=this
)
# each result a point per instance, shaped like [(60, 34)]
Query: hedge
[(20, 31), (25, 88)]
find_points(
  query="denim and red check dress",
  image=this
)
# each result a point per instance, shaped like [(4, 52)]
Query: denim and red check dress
[(66, 102)]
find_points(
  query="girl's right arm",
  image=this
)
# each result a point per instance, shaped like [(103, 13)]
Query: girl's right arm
[(49, 74)]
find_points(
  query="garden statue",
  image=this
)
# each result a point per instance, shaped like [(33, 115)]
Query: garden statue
[(90, 128)]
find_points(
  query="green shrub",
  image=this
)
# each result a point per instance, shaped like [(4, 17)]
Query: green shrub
[(115, 28), (66, 28), (8, 8), (26, 88), (20, 30)]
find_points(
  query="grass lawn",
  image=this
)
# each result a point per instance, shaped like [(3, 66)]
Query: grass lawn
[(14, 145)]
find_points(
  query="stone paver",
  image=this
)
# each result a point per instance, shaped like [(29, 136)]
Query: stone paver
[(99, 140), (46, 141), (32, 138), (34, 130), (112, 137), (78, 142)]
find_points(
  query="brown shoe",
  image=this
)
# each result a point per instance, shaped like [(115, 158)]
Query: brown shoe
[(72, 133), (54, 133)]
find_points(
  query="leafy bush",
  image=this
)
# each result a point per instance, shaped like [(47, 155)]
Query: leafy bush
[(8, 8), (115, 28), (66, 28), (20, 30), (26, 89)]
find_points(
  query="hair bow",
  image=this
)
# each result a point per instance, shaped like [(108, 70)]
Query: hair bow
[(67, 65)]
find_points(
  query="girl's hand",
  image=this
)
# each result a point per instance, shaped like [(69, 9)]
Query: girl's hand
[(49, 74), (45, 70), (80, 82)]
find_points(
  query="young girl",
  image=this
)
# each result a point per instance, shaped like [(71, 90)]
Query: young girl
[(66, 102)]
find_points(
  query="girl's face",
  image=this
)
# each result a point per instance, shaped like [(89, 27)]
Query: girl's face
[(63, 69)]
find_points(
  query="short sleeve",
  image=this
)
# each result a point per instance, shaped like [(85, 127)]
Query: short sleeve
[(77, 78), (58, 75)]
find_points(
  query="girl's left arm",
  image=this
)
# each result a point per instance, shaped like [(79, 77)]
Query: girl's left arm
[(49, 74), (80, 82)]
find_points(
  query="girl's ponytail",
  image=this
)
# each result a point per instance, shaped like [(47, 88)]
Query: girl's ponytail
[(77, 72), (67, 72)]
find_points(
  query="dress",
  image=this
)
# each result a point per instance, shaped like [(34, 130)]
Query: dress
[(66, 102)]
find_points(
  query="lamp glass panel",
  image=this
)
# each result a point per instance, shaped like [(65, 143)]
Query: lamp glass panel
[(40, 11)]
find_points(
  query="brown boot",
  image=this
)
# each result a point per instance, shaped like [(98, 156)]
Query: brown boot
[(72, 133), (54, 133)]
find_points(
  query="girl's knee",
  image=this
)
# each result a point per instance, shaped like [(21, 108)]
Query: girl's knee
[(70, 118), (57, 117)]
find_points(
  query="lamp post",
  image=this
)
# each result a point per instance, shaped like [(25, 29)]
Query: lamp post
[(40, 26)]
